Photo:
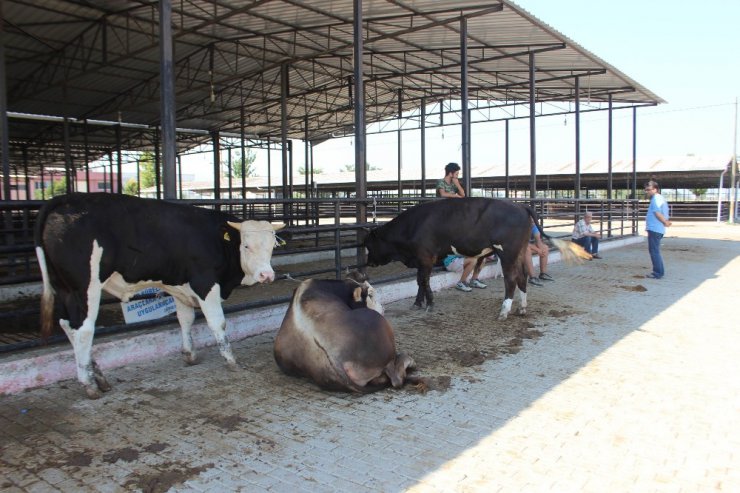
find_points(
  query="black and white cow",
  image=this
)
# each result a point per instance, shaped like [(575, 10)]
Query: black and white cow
[(471, 226), (86, 243), (335, 334)]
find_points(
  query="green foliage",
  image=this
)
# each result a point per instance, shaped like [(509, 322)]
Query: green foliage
[(58, 187), (699, 192), (131, 187), (351, 167), (147, 174), (236, 165), (316, 171)]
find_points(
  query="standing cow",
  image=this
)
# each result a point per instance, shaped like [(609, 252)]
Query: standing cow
[(335, 334), (473, 227), (86, 243)]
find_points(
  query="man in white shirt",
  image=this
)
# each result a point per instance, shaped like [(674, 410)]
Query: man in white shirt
[(584, 235)]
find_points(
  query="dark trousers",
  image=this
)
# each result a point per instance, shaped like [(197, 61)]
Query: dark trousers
[(589, 243)]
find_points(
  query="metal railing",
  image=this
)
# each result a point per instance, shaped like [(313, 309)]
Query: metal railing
[(323, 228)]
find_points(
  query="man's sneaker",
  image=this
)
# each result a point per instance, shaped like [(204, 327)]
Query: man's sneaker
[(477, 284), (535, 282), (596, 256), (463, 287), (546, 277)]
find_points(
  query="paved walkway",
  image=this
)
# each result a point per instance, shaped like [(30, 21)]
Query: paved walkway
[(635, 390)]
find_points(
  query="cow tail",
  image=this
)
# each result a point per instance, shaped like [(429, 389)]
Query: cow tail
[(570, 252), (47, 296)]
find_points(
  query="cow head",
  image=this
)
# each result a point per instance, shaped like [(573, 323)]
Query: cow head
[(255, 250), (379, 251), (364, 295)]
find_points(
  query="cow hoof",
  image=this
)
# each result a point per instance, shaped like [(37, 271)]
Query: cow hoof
[(103, 384), (93, 392), (233, 366), (521, 312), (416, 306), (502, 317), (430, 307)]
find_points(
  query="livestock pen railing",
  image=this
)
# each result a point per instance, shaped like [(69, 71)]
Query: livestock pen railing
[(313, 225), (323, 237)]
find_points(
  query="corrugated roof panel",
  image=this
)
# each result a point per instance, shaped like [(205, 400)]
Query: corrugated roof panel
[(100, 58)]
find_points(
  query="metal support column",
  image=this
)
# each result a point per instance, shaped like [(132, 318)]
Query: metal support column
[(86, 144), (399, 147), (167, 99), (216, 166), (467, 179), (243, 163), (634, 152), (609, 183), (506, 158), (532, 136), (284, 126), (577, 178), (157, 167), (359, 120), (67, 159), (5, 145), (423, 147), (119, 174), (359, 115), (306, 156)]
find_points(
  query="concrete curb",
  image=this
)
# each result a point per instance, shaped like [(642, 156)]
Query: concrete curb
[(44, 366)]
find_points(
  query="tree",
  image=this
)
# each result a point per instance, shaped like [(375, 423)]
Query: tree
[(351, 167), (131, 187), (236, 165), (58, 187), (316, 171), (699, 192), (147, 173)]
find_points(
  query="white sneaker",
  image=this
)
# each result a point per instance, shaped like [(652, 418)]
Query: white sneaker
[(475, 283), (463, 287)]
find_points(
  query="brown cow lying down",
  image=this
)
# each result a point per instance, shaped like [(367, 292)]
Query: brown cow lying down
[(335, 334)]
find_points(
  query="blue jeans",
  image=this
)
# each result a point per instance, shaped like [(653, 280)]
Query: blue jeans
[(589, 243), (654, 249)]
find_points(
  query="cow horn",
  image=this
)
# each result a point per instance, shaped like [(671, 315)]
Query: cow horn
[(236, 226), (277, 227)]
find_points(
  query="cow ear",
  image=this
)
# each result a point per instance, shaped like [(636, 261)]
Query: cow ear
[(236, 226), (357, 295)]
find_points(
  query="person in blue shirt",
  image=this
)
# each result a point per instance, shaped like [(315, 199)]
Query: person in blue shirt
[(656, 220)]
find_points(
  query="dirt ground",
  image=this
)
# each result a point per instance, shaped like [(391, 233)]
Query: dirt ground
[(164, 423)]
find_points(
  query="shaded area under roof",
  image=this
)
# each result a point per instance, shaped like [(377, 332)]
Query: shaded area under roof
[(100, 60)]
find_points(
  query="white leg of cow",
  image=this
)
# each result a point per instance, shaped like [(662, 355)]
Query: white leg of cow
[(81, 340), (186, 317), (505, 309), (523, 303), (214, 314)]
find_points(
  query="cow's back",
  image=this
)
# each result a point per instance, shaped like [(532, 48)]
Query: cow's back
[(141, 239), (467, 224)]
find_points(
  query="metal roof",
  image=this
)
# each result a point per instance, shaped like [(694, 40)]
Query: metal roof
[(99, 60)]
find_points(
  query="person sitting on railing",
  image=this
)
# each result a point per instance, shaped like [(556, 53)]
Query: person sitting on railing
[(584, 235), (449, 186)]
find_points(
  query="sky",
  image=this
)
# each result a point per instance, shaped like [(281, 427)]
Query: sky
[(688, 53)]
